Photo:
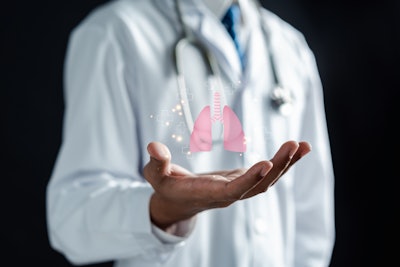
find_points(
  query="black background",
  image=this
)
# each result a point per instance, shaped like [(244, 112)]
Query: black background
[(356, 44)]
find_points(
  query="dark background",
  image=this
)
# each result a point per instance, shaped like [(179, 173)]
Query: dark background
[(356, 44)]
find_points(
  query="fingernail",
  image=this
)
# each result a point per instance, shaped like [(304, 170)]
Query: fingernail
[(265, 170), (292, 152)]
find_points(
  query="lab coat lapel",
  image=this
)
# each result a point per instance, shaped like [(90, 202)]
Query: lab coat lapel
[(258, 71), (218, 41), (212, 34)]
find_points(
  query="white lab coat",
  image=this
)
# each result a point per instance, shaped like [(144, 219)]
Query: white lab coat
[(121, 93)]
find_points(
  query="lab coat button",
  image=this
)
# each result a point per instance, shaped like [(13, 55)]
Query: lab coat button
[(260, 226)]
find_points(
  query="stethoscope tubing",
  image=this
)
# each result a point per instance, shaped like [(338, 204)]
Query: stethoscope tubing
[(281, 98)]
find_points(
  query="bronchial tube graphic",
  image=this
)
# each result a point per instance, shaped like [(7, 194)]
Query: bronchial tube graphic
[(201, 136)]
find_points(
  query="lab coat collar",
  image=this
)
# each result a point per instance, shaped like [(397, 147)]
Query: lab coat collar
[(204, 24), (218, 7), (258, 60), (226, 52)]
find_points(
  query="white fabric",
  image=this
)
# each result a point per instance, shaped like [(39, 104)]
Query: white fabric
[(218, 7), (121, 93)]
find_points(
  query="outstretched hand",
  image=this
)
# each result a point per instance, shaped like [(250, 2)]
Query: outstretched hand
[(180, 194)]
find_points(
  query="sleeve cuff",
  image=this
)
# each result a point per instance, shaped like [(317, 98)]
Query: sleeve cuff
[(177, 233)]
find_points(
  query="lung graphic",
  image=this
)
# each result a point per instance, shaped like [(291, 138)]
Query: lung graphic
[(201, 137)]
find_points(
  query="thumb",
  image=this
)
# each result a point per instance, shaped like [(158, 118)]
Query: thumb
[(160, 157)]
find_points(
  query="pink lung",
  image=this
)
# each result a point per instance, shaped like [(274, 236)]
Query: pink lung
[(201, 137), (234, 138)]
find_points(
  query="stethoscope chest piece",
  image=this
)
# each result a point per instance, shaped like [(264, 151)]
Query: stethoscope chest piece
[(282, 100)]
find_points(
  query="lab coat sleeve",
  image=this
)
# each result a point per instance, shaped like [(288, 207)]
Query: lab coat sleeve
[(314, 179), (97, 200)]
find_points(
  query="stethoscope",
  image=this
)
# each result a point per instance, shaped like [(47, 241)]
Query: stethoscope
[(281, 98)]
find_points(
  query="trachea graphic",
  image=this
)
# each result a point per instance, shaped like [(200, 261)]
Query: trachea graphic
[(217, 108), (201, 137)]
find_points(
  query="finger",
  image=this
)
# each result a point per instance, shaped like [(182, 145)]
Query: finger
[(280, 161), (304, 148), (238, 187), (159, 164), (283, 158)]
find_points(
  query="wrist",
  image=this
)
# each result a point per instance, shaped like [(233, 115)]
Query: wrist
[(165, 215)]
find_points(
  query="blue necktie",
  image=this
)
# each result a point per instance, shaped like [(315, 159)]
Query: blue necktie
[(230, 21)]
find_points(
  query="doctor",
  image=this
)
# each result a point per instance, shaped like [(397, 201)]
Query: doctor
[(179, 151)]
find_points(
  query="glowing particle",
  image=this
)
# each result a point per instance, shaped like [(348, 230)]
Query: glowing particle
[(186, 151)]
